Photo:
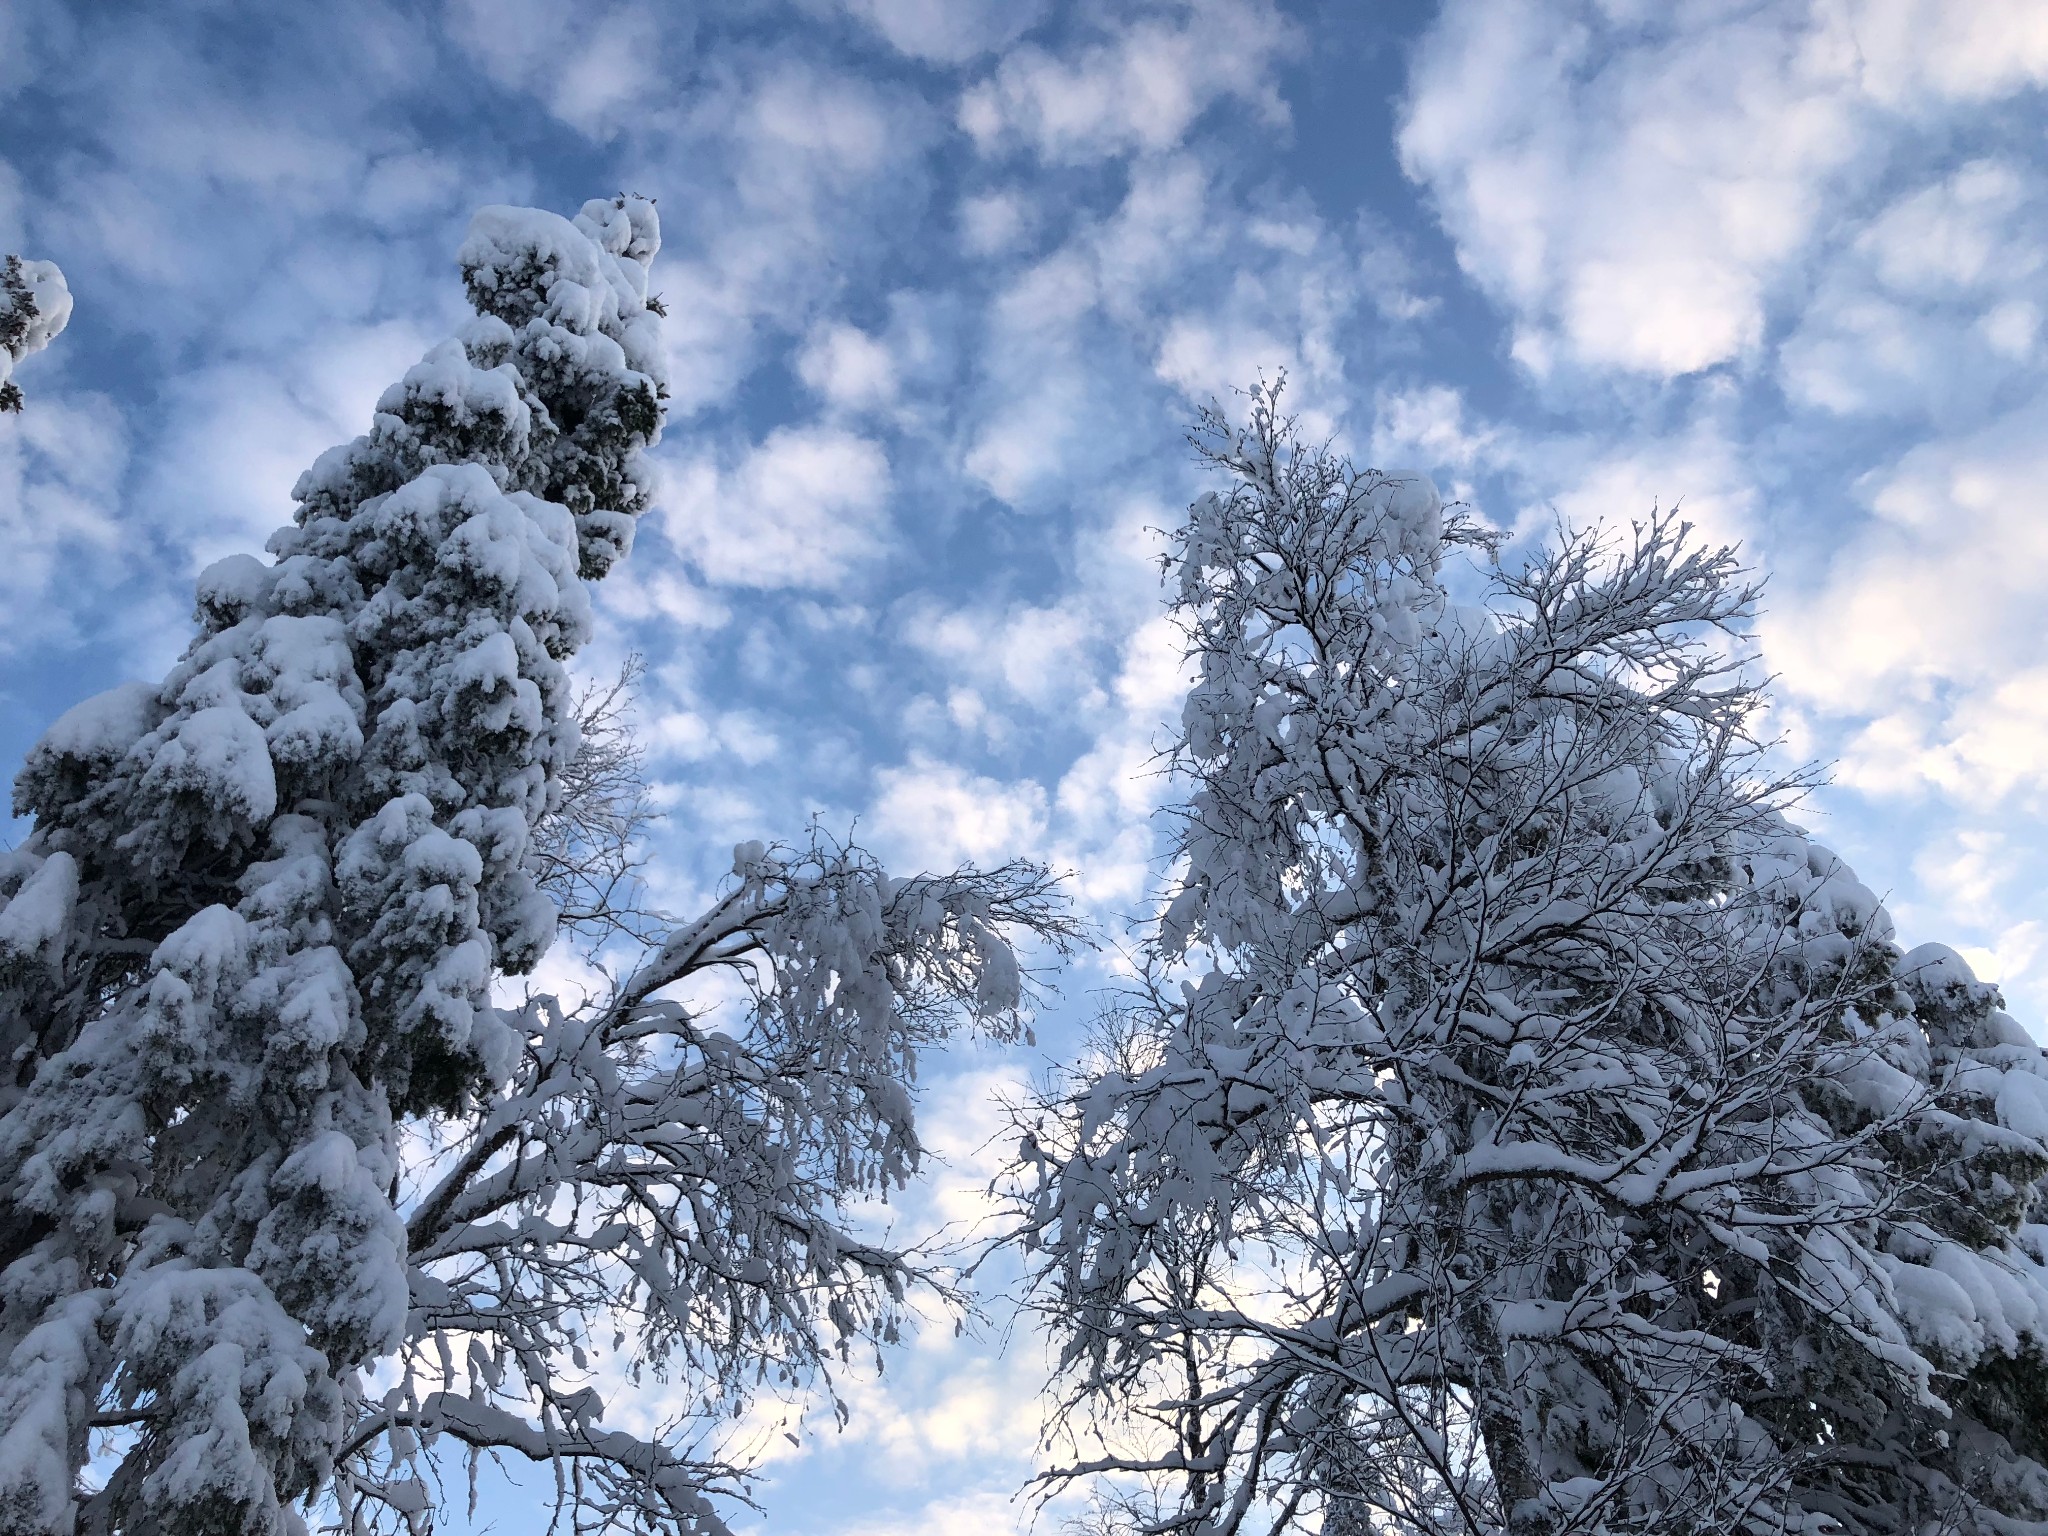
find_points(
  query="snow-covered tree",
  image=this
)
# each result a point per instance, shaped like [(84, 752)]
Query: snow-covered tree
[(1521, 1125), (289, 1198), (35, 305), (1962, 1267)]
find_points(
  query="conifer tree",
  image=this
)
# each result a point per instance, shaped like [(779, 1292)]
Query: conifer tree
[(1522, 1126), (35, 306), (289, 1203)]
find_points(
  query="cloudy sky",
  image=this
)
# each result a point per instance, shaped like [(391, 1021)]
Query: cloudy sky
[(946, 279)]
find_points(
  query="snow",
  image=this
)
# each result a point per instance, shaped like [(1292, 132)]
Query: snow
[(1937, 1312), (102, 728), (1598, 1070), (42, 1373), (35, 923), (2022, 1102), (220, 756), (330, 803), (52, 296), (37, 296)]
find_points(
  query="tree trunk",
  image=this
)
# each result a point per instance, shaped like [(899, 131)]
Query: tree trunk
[(1516, 1478)]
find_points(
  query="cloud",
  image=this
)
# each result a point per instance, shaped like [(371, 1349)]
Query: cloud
[(1933, 307), (992, 223), (1927, 626), (1108, 796), (792, 175), (935, 815), (1293, 289), (241, 433), (1101, 672), (1177, 283), (1634, 184), (593, 65), (1140, 89), (61, 467), (1426, 424), (1040, 654), (849, 368), (807, 507), (948, 31)]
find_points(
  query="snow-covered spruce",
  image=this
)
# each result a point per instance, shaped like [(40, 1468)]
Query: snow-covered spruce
[(245, 961), (1547, 1136), (35, 306)]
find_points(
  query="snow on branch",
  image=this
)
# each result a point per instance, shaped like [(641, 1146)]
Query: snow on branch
[(1520, 1125), (35, 306), (287, 1197), (665, 1187)]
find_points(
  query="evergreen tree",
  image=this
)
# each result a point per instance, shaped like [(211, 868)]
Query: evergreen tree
[(1522, 1126), (35, 306), (1961, 1261), (285, 1200)]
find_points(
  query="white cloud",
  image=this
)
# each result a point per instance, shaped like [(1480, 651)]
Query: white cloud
[(241, 433), (1932, 306), (61, 464), (1141, 89), (1928, 625), (1426, 424), (1205, 296), (1633, 182), (848, 367), (806, 507), (1039, 653), (1948, 236), (1606, 473), (936, 815), (792, 173), (592, 66), (656, 586), (992, 223), (1104, 660), (1107, 798), (1206, 361), (1022, 447), (948, 31)]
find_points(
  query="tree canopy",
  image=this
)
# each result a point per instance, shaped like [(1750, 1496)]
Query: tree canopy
[(1523, 1125)]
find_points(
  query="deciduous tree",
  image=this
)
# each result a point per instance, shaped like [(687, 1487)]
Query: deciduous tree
[(1521, 1125)]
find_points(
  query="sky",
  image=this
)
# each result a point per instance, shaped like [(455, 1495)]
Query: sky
[(946, 280)]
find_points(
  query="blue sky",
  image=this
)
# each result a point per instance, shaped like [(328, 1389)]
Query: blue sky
[(946, 279)]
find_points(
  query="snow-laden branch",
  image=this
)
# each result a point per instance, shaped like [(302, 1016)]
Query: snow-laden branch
[(286, 1197), (663, 1184), (1542, 1113), (35, 306)]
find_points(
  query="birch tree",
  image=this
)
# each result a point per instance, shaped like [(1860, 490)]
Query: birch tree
[(1521, 1126)]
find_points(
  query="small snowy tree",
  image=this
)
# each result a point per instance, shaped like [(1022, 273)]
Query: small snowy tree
[(1521, 1126), (35, 305), (286, 1201)]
